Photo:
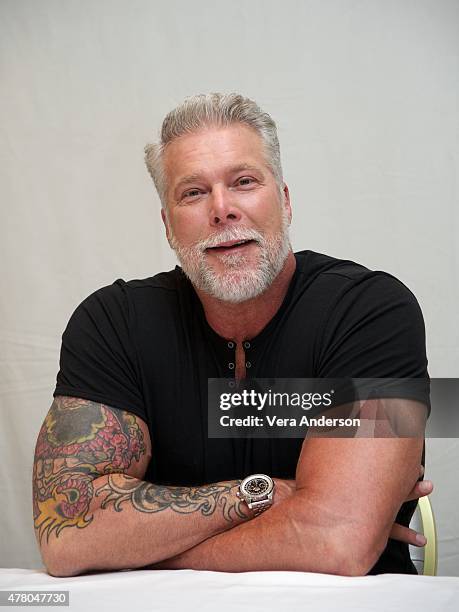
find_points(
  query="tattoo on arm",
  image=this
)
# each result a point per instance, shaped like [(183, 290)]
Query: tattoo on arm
[(81, 440), (147, 497)]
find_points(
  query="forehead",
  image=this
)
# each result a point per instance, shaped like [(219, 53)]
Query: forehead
[(213, 150)]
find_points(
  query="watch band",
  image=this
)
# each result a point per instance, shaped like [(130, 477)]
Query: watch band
[(260, 506)]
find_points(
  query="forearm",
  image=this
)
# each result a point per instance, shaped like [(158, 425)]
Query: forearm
[(321, 527), (130, 523), (276, 540)]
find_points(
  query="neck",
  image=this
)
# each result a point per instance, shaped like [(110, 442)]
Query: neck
[(245, 320)]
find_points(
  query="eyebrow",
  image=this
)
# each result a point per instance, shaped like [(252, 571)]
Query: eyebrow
[(196, 177)]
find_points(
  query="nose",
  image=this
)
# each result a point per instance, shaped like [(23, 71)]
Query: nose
[(222, 207)]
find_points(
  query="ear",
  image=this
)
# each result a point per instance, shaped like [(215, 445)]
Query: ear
[(286, 202), (166, 223)]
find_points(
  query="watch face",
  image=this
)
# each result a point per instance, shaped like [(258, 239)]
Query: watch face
[(257, 486)]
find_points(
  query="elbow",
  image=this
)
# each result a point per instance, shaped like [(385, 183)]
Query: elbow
[(58, 564), (338, 556), (356, 556), (345, 554), (353, 566), (59, 571), (348, 548), (58, 568)]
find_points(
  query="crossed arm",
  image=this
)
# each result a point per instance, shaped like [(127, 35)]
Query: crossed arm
[(93, 511), (332, 523)]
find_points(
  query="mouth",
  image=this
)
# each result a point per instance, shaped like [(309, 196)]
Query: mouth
[(231, 246)]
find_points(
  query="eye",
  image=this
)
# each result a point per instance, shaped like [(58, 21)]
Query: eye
[(191, 193), (245, 181)]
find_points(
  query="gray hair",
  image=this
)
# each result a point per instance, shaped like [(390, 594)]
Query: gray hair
[(214, 109)]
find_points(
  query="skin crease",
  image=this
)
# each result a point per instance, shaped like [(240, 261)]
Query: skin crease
[(222, 201)]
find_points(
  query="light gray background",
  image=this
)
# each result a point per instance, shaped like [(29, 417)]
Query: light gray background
[(365, 94)]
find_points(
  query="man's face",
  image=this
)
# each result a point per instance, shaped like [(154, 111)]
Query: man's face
[(220, 193)]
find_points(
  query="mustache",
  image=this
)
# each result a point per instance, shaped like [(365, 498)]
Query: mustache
[(231, 233)]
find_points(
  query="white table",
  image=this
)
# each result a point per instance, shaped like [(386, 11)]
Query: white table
[(150, 590)]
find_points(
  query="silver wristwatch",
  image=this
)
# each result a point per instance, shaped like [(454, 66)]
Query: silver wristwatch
[(258, 491)]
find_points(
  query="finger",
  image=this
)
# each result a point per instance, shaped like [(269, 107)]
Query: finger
[(407, 535), (420, 489), (421, 471)]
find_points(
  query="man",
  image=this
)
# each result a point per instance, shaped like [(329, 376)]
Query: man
[(123, 461)]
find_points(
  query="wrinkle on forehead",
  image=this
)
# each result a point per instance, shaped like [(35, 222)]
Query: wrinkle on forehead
[(206, 145)]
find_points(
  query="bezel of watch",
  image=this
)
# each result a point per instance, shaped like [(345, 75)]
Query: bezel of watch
[(257, 490)]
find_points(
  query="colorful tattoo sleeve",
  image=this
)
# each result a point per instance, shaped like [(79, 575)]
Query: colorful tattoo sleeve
[(80, 441)]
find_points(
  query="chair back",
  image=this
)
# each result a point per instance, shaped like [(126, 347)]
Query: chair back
[(425, 559)]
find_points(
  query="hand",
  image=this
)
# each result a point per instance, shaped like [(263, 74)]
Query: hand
[(405, 534)]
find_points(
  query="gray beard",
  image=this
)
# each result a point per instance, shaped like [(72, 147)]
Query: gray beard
[(241, 281)]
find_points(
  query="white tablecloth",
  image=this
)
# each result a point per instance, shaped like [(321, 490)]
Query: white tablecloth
[(142, 590)]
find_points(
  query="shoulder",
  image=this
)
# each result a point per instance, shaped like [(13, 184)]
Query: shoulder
[(121, 294), (336, 278), (370, 323), (113, 310), (330, 268), (172, 281)]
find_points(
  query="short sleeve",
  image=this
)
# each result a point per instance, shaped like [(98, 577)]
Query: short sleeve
[(98, 360), (375, 329)]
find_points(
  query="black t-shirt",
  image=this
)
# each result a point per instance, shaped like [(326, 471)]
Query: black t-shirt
[(145, 346)]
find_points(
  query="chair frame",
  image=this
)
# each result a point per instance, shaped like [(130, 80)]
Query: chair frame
[(430, 532)]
